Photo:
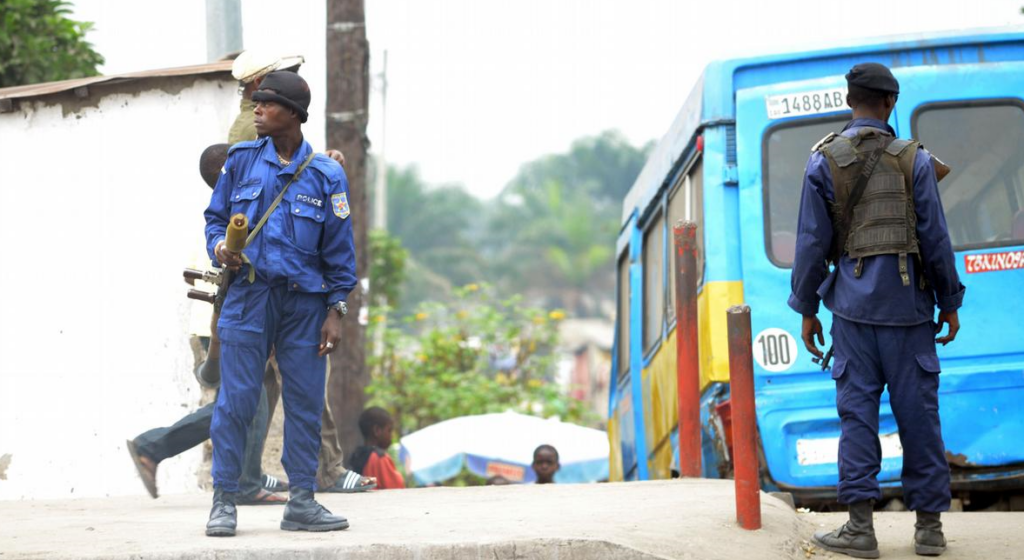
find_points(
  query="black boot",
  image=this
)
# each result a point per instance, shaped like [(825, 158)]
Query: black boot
[(928, 537), (223, 516), (856, 537), (303, 513)]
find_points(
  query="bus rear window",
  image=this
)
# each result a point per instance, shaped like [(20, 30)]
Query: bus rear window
[(786, 151), (983, 143)]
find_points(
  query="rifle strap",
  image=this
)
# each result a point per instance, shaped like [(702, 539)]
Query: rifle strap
[(858, 188), (266, 216)]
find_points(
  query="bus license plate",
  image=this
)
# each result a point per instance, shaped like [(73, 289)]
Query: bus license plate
[(806, 103)]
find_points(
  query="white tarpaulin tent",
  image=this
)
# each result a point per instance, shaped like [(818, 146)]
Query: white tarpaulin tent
[(503, 444)]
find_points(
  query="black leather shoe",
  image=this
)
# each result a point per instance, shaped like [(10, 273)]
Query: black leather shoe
[(223, 516), (854, 538), (928, 537), (303, 513)]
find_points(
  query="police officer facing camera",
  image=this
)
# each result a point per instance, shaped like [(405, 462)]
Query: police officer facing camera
[(870, 208), (289, 294)]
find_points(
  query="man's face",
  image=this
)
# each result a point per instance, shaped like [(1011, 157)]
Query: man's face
[(545, 464), (272, 118)]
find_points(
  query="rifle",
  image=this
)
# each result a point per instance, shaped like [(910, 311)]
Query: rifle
[(219, 277), (234, 241)]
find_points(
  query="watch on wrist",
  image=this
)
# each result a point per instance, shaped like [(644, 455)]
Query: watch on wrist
[(340, 307)]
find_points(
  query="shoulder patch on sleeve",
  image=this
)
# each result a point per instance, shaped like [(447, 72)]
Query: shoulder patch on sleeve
[(339, 202), (828, 138)]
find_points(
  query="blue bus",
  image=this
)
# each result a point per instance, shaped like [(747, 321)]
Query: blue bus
[(733, 162)]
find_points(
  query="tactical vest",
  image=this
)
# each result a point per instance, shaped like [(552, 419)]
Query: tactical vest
[(883, 222)]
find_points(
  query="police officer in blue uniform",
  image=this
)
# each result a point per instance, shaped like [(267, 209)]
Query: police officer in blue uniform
[(870, 207), (289, 295)]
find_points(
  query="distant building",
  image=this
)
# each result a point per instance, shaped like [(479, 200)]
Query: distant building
[(588, 344), (101, 207)]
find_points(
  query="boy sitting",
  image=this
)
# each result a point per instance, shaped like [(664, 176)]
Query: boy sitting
[(372, 458)]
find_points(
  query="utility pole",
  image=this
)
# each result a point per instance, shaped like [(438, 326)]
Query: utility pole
[(348, 93), (380, 209), (223, 28), (380, 217)]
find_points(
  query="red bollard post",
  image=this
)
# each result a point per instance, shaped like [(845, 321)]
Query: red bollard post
[(744, 420), (687, 357)]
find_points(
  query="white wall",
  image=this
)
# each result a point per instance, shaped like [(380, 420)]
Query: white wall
[(99, 212), (135, 36)]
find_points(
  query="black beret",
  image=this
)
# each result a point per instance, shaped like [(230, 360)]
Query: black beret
[(286, 88), (872, 75)]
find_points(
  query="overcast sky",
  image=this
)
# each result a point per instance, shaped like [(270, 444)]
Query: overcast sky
[(478, 87)]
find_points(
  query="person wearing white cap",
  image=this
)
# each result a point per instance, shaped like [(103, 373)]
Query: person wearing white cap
[(249, 69)]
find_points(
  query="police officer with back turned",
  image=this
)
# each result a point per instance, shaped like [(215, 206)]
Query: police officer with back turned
[(870, 208), (289, 294)]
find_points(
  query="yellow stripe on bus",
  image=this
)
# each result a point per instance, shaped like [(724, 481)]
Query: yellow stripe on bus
[(659, 378)]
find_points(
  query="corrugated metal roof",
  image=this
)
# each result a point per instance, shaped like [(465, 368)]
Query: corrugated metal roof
[(50, 88)]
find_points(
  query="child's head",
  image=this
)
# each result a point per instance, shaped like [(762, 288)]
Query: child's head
[(375, 423), (212, 161), (545, 463)]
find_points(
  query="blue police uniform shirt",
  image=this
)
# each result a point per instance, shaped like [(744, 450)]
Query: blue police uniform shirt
[(878, 297), (307, 241)]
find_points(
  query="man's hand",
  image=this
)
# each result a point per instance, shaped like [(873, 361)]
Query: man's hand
[(811, 327), (330, 333), (953, 320), (231, 260), (336, 156)]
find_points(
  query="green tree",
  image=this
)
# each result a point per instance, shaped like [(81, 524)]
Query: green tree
[(551, 232), (387, 268), (477, 355), (436, 225), (39, 43)]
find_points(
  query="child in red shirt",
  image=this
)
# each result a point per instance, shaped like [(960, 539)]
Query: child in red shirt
[(372, 458)]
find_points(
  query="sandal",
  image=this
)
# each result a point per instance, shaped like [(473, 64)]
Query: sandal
[(274, 484), (262, 498), (146, 468), (351, 483)]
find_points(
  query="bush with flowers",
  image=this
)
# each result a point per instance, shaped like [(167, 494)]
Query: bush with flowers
[(477, 353)]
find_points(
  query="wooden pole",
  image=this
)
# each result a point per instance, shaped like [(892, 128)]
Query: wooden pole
[(348, 60)]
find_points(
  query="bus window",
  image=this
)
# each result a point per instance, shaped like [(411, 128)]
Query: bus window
[(623, 326), (686, 202), (654, 282), (983, 143), (786, 150)]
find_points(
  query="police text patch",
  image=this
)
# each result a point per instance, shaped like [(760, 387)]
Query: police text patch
[(309, 200), (340, 204)]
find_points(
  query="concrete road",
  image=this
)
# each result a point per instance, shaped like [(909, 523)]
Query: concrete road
[(691, 519)]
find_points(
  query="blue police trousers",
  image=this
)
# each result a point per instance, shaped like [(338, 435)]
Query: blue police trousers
[(869, 358), (256, 318)]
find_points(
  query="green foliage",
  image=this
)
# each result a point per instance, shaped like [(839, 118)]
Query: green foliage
[(435, 224), (387, 267), (38, 43), (553, 229), (550, 235), (476, 355)]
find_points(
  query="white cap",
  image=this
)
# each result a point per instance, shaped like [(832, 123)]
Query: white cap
[(254, 64)]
